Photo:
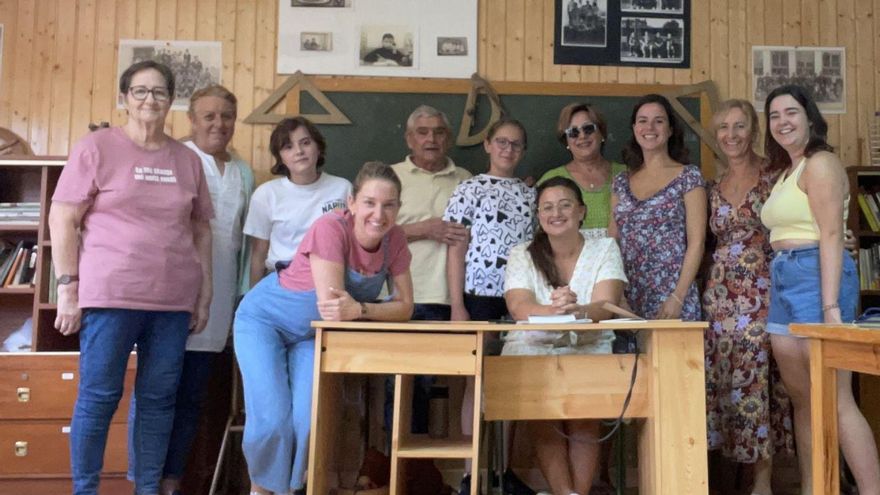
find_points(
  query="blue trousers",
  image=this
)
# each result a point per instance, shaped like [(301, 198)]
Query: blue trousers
[(275, 349), (197, 369), (106, 339)]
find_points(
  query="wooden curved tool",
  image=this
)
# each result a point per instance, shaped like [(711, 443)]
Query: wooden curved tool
[(478, 84)]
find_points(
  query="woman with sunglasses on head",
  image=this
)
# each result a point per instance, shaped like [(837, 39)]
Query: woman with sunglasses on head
[(131, 242), (583, 130), (563, 271), (813, 280), (497, 209), (659, 209)]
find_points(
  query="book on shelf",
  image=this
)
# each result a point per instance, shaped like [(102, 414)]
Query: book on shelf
[(18, 268), (20, 213), (867, 212), (53, 285), (869, 267)]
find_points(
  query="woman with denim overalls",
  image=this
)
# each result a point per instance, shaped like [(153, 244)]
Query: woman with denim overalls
[(336, 274)]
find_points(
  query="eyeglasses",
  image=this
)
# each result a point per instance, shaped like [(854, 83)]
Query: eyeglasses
[(574, 131), (564, 206), (505, 143), (140, 93)]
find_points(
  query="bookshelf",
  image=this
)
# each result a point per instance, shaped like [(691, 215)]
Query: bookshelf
[(28, 183)]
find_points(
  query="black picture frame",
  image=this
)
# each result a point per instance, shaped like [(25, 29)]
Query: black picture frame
[(637, 33)]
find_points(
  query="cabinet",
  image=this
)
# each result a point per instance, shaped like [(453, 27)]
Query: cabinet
[(38, 388)]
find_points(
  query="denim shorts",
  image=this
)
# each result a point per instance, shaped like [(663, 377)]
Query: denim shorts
[(796, 289)]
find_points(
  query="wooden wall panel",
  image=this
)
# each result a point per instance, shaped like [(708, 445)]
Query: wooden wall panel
[(59, 60)]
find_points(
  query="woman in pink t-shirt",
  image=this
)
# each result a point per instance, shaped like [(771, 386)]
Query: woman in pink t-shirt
[(138, 272), (336, 274)]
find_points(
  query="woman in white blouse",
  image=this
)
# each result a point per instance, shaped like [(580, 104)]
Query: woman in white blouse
[(562, 271)]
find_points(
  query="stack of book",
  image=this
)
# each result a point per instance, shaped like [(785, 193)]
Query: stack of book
[(20, 213), (18, 265), (869, 267), (869, 203)]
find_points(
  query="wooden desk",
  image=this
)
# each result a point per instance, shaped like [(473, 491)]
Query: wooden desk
[(833, 347), (669, 392)]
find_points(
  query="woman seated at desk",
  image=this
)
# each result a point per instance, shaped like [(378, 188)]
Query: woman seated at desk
[(562, 272), (337, 274)]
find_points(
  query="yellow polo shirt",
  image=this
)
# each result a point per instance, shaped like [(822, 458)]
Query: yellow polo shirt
[(425, 195)]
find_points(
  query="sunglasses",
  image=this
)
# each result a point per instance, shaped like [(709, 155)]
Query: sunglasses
[(574, 131)]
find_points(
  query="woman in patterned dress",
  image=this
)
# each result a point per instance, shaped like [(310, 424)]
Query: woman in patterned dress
[(659, 215), (747, 409)]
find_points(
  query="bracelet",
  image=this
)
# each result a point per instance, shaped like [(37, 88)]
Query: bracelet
[(676, 298), (831, 306), (363, 310)]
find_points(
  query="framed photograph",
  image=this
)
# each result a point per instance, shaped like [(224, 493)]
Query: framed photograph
[(387, 46), (452, 46), (822, 70), (639, 33), (384, 38), (585, 23), (195, 64), (321, 3), (316, 42), (646, 39), (652, 6)]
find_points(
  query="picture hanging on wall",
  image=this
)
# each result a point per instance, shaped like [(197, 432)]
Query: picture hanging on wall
[(392, 38), (633, 33), (195, 64), (822, 70)]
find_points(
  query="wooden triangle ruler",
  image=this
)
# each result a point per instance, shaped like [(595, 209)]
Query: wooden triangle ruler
[(263, 113), (478, 84), (706, 135)]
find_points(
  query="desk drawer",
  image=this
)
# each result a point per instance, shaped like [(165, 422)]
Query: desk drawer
[(43, 448), (399, 352), (44, 385)]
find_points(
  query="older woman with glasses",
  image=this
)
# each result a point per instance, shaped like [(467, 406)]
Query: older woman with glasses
[(583, 130), (131, 242)]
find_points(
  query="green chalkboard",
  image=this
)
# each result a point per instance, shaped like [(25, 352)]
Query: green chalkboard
[(379, 121)]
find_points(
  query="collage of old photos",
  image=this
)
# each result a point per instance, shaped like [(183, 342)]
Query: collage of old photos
[(647, 32), (379, 45)]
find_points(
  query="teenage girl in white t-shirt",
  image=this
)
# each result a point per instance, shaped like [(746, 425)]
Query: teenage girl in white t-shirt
[(283, 209)]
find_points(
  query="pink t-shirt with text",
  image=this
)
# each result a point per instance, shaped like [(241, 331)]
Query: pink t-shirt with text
[(138, 250), (332, 240)]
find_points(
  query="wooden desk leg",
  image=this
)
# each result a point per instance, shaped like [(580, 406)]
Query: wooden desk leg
[(478, 407), (325, 423), (401, 426), (676, 431), (823, 423)]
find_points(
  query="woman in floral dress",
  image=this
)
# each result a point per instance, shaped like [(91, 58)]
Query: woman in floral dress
[(659, 215), (747, 409)]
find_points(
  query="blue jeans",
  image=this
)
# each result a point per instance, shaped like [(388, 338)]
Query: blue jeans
[(275, 349), (796, 289), (106, 339), (197, 368)]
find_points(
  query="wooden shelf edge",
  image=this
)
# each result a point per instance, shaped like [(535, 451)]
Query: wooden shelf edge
[(424, 447), (19, 227), (47, 306), (24, 290)]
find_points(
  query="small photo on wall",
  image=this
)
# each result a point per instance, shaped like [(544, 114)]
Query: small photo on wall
[(316, 42), (655, 40), (585, 23), (195, 64), (821, 70), (321, 3), (653, 6), (452, 46), (387, 46)]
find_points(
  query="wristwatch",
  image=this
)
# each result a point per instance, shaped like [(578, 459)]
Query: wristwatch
[(67, 279)]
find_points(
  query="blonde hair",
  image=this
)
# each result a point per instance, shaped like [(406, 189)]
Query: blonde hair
[(750, 113), (375, 170), (213, 90)]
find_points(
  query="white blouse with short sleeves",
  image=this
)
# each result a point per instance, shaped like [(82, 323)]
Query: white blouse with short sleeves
[(599, 260)]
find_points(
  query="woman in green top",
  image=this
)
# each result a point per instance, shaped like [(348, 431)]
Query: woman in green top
[(582, 130)]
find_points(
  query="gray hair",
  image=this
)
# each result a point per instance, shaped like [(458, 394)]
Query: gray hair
[(426, 111)]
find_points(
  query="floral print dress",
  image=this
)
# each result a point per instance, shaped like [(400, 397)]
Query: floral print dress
[(653, 239), (747, 409)]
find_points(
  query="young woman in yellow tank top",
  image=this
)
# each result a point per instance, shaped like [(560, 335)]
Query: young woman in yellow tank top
[(812, 279)]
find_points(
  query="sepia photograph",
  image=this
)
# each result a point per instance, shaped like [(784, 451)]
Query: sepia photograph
[(386, 46), (653, 6), (452, 46), (585, 23), (195, 64), (316, 42), (822, 70), (321, 3), (654, 40)]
